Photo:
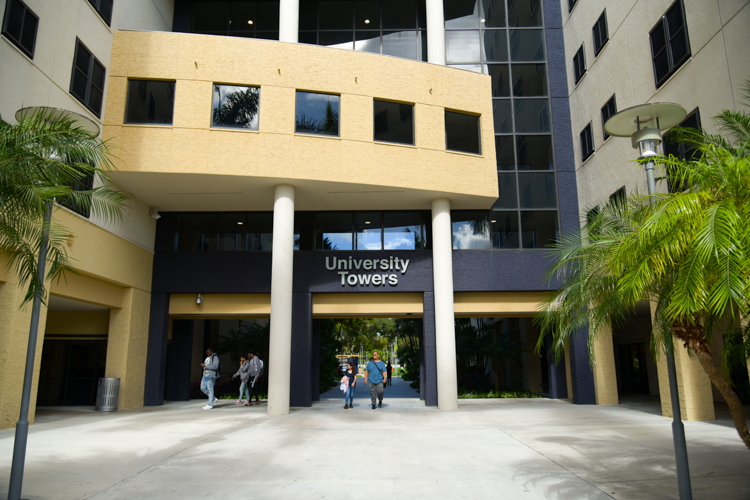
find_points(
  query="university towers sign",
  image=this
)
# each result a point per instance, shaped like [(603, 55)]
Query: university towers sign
[(371, 270)]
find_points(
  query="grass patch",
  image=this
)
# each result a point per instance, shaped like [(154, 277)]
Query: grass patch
[(502, 393)]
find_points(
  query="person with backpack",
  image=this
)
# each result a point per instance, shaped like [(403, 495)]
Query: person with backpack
[(211, 371), (244, 374), (375, 376), (256, 372)]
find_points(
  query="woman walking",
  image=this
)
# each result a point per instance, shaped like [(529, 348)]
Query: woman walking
[(244, 374), (351, 375)]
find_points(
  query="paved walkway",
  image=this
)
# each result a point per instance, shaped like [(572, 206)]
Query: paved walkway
[(508, 449)]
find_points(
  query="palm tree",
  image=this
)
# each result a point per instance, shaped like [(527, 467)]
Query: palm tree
[(41, 158), (688, 253)]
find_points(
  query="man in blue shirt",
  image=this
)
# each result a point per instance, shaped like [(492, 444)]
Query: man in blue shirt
[(374, 376)]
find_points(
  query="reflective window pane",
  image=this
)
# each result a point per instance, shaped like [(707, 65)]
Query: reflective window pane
[(268, 15), (504, 230), (476, 68), (502, 116), (500, 79), (210, 17), (534, 152), (150, 101), (529, 80), (236, 107), (196, 233), (308, 15), (333, 231), (367, 231), (336, 14), (537, 190), (367, 41), (401, 44), (367, 15), (495, 46), (462, 132), (494, 13), (231, 232), (538, 229), (525, 13), (507, 194), (260, 231), (462, 47), (403, 231), (461, 13), (393, 122), (399, 14), (317, 113), (471, 230), (532, 115), (504, 152), (527, 45), (336, 39), (241, 15)]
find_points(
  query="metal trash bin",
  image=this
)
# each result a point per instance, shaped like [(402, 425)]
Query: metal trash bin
[(107, 394)]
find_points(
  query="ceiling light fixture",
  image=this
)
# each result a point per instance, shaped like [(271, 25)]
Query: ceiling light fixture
[(249, 21), (493, 221), (240, 223), (481, 20), (367, 222), (367, 21)]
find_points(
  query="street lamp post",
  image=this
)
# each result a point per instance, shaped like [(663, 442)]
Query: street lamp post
[(22, 427), (644, 125)]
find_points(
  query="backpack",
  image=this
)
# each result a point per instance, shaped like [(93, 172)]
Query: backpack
[(218, 370)]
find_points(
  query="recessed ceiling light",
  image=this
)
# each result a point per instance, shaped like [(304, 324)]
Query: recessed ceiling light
[(481, 20), (240, 223), (249, 21), (367, 222), (493, 221), (367, 21)]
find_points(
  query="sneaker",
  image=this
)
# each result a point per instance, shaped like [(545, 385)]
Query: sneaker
[(238, 402), (373, 407), (380, 403), (246, 403), (209, 407), (216, 400)]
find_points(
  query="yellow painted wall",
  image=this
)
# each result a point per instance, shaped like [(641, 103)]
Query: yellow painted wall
[(334, 305), (217, 305), (190, 146), (468, 304), (77, 323)]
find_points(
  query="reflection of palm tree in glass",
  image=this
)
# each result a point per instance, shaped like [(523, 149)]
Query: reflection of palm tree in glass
[(329, 125), (328, 244), (236, 108)]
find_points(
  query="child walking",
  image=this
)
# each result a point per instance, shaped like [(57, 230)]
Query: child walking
[(351, 375), (244, 374)]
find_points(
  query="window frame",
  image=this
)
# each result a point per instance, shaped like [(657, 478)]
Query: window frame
[(142, 94), (612, 100), (89, 78), (230, 127), (479, 131), (337, 135), (579, 63), (604, 39), (664, 26), (97, 6), (683, 152), (587, 149), (18, 43), (571, 4), (413, 122)]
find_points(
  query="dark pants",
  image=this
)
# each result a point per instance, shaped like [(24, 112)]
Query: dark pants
[(254, 389), (389, 379)]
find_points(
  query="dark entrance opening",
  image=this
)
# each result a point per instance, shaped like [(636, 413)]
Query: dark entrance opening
[(70, 371)]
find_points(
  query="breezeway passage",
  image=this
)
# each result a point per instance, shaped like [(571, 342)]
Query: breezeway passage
[(527, 449), (399, 396)]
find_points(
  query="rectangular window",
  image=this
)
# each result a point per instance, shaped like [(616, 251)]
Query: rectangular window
[(402, 231), (196, 233), (462, 132), (587, 142), (507, 191), (535, 152), (579, 64), (260, 231), (608, 111), (236, 107), (87, 81), (242, 18), (601, 34), (104, 8), (393, 122), (368, 231), (618, 198), (537, 190), (20, 25), (682, 150), (538, 229), (571, 4), (150, 101), (85, 183), (591, 216), (670, 47), (504, 230), (333, 231), (471, 230), (317, 113)]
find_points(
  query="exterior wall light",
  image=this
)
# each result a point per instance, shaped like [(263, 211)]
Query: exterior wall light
[(199, 300)]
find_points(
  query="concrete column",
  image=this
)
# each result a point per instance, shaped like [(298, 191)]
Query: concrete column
[(289, 21), (14, 340), (127, 346), (605, 373), (435, 32), (280, 344), (445, 332)]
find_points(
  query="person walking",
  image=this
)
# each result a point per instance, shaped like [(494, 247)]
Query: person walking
[(375, 375), (389, 370), (211, 366), (244, 374), (256, 373), (351, 376)]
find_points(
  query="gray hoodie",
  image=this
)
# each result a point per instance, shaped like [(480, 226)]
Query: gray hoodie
[(212, 364), (244, 372)]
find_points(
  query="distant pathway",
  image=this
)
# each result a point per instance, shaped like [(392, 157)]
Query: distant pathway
[(398, 395)]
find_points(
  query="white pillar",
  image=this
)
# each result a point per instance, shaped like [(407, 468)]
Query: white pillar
[(280, 344), (289, 21), (445, 331), (435, 32)]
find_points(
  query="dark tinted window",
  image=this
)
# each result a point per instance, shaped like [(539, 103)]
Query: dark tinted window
[(502, 116), (504, 230), (336, 14), (495, 46), (618, 198), (196, 233), (20, 25), (87, 81), (504, 152), (493, 13), (402, 231), (245, 18), (529, 80), (507, 191), (333, 231), (534, 152), (104, 8), (500, 79), (231, 232), (537, 190), (579, 64), (524, 13), (526, 45), (471, 230), (150, 101), (532, 115), (538, 229), (317, 113), (601, 34), (682, 150), (393, 122), (462, 132), (608, 111), (236, 107), (670, 46), (461, 13), (260, 231), (587, 142), (84, 183)]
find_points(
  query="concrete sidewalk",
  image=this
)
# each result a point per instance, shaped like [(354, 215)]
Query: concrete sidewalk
[(526, 448)]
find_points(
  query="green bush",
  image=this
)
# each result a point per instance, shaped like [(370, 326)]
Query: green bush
[(502, 393)]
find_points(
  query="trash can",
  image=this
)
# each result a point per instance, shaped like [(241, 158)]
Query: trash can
[(107, 394)]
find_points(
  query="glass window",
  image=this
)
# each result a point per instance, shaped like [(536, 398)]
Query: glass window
[(333, 231), (367, 41), (618, 198), (537, 190), (368, 232), (150, 101), (210, 17), (231, 232), (476, 68), (532, 115), (507, 193), (84, 182), (336, 14), (670, 47), (462, 47), (268, 17), (367, 15), (462, 132), (399, 14), (608, 111), (20, 26), (403, 231), (317, 113), (494, 13), (471, 230), (336, 39), (524, 13), (260, 231), (461, 13), (500, 79), (534, 152), (529, 80), (682, 151), (87, 82), (401, 44), (579, 64), (504, 152), (527, 45), (538, 229), (196, 233), (504, 230), (236, 107), (495, 45), (601, 34), (394, 122), (308, 15), (502, 116), (587, 142), (104, 8)]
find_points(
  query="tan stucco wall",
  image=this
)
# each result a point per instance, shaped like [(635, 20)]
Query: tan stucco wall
[(335, 305), (516, 304), (605, 375), (275, 153), (77, 323), (220, 304)]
